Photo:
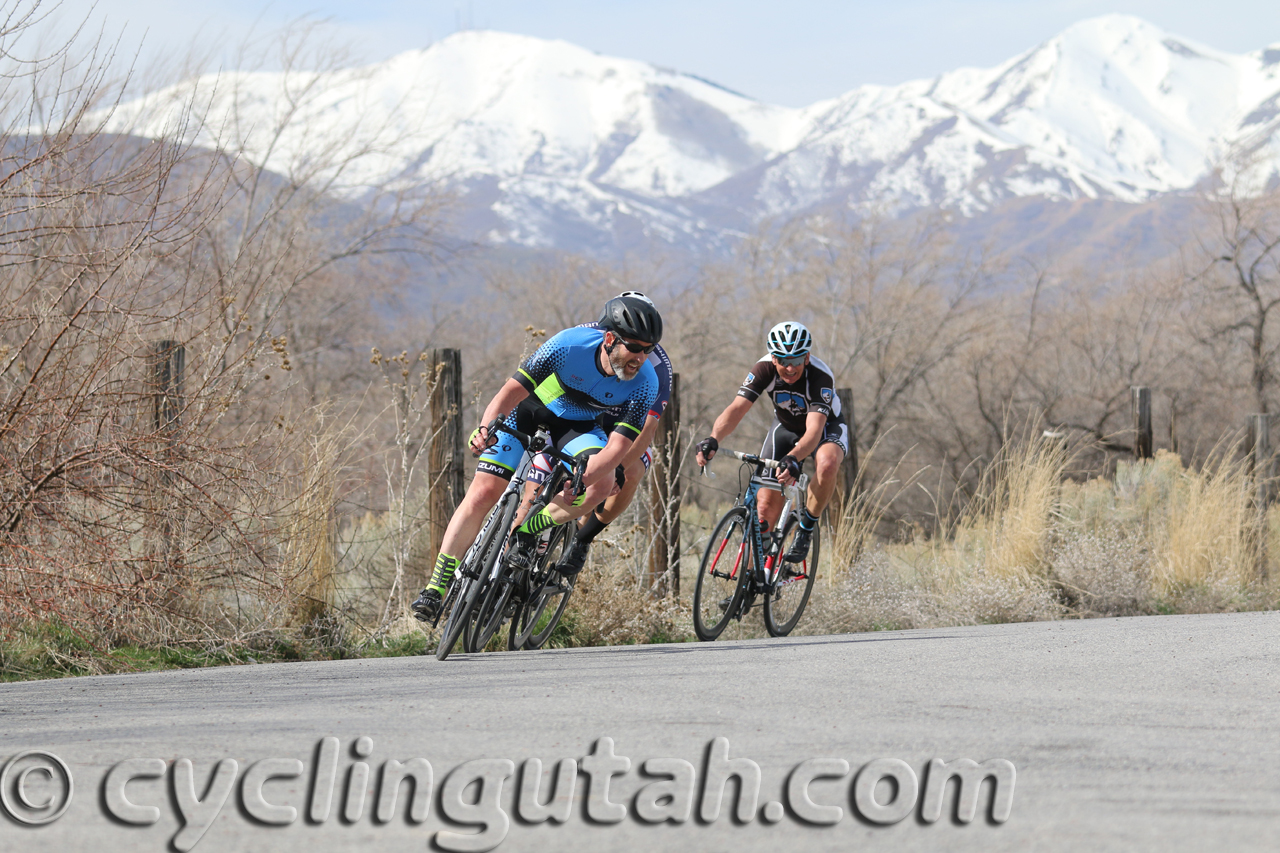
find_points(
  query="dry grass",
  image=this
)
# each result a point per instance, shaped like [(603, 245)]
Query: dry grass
[(1158, 538)]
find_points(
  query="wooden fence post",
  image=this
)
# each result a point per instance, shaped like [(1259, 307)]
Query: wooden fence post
[(1140, 403), (665, 498), (1260, 463), (849, 468), (444, 460), (167, 362)]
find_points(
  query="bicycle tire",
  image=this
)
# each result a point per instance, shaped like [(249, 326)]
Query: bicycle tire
[(729, 541), (784, 604), (465, 600), (471, 588), (554, 588), (491, 613)]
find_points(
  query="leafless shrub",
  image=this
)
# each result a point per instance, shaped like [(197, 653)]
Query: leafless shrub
[(200, 510)]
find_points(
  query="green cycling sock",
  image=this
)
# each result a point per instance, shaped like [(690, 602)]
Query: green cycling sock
[(535, 524), (443, 573)]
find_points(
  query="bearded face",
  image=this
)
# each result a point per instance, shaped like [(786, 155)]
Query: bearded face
[(625, 364)]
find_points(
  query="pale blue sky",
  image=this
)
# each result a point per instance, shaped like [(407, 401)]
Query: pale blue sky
[(791, 53)]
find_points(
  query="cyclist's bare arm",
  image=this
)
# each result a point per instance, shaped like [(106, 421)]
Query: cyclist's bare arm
[(815, 423), (601, 464), (507, 398), (642, 442), (728, 421)]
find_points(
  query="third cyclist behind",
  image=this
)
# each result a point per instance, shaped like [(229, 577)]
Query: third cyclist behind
[(807, 421)]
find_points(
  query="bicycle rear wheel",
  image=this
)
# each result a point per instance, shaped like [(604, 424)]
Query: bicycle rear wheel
[(784, 604), (722, 575), (471, 585), (538, 620)]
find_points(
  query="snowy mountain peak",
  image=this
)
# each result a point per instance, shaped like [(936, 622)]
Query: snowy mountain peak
[(556, 145)]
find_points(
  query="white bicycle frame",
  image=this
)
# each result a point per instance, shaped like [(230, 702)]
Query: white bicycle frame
[(793, 494)]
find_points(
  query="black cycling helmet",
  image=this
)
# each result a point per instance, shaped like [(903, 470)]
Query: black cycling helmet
[(632, 317)]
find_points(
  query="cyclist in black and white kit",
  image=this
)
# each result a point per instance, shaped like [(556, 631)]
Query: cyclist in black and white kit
[(807, 421)]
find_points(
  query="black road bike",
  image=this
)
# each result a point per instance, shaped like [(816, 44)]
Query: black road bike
[(497, 580)]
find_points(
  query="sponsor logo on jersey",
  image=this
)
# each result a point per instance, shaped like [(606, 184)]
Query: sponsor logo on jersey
[(751, 377), (826, 396), (796, 404)]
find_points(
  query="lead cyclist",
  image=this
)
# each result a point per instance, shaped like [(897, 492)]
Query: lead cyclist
[(629, 473), (576, 375)]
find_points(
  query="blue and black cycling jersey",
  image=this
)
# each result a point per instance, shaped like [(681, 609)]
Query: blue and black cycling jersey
[(565, 375), (661, 366)]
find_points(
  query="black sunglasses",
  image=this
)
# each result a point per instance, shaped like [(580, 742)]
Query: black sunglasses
[(644, 348)]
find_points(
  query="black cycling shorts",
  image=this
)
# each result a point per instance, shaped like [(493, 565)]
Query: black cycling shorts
[(779, 441)]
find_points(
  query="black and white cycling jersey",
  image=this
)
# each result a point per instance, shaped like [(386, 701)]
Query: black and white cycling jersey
[(814, 391)]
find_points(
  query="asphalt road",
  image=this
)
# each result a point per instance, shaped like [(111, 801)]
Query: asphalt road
[(1155, 733)]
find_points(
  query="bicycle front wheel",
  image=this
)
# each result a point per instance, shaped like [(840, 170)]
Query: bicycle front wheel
[(460, 602), (493, 607), (475, 574), (785, 601), (549, 600), (722, 575)]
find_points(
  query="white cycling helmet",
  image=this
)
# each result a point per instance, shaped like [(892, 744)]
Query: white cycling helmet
[(637, 294), (789, 339)]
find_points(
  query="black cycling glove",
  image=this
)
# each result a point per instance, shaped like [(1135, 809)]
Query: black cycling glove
[(792, 465), (708, 447)]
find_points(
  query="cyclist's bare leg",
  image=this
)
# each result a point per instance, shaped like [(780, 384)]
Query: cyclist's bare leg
[(530, 492), (826, 459), (599, 472), (769, 502), (468, 518)]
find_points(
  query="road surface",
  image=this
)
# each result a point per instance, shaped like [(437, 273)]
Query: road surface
[(1153, 733)]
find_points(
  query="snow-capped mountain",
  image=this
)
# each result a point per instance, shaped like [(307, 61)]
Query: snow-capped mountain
[(553, 145), (1112, 107)]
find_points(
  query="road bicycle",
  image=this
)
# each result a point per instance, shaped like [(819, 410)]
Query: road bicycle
[(743, 565), (495, 581)]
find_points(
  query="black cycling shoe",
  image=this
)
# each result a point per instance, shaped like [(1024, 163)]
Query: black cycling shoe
[(799, 546), (575, 559), (426, 607), (521, 553)]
